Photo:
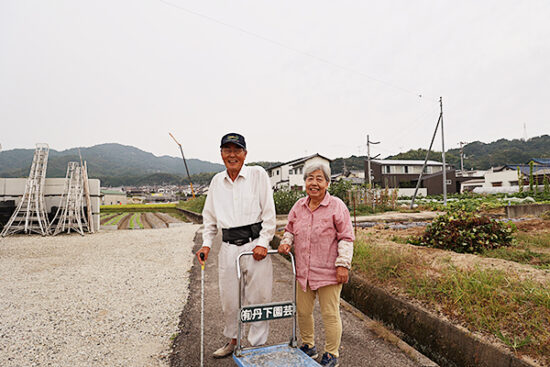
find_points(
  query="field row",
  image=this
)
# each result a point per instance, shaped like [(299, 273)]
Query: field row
[(126, 220)]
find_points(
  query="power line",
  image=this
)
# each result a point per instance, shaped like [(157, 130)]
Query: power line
[(293, 49)]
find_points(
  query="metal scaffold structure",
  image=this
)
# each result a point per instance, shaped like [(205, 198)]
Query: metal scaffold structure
[(71, 209), (30, 215)]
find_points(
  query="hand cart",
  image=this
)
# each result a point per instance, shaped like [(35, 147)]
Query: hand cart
[(271, 355)]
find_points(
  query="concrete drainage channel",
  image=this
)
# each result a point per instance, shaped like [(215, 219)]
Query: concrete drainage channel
[(441, 341)]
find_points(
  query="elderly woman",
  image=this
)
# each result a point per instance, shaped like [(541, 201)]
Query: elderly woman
[(319, 227)]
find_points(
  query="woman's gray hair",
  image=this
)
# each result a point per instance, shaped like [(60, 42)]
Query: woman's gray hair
[(325, 168)]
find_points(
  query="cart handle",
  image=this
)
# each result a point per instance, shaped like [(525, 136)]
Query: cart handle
[(293, 341), (269, 252)]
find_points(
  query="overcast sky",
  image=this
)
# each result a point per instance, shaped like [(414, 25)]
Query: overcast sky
[(294, 77)]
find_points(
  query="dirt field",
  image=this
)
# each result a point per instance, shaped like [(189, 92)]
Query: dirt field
[(149, 220), (396, 238)]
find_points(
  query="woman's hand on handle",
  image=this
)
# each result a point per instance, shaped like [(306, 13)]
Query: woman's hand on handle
[(284, 249)]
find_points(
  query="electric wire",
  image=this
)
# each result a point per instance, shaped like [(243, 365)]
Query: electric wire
[(296, 50)]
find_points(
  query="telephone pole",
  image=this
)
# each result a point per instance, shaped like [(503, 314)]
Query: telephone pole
[(462, 155), (443, 154), (368, 158)]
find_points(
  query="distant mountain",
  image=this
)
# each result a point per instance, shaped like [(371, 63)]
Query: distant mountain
[(116, 164), (109, 162)]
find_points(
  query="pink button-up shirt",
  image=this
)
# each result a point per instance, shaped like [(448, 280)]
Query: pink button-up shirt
[(317, 235)]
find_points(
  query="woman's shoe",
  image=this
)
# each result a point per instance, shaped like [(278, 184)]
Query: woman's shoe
[(311, 352), (329, 360)]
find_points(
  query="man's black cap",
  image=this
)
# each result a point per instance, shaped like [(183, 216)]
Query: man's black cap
[(234, 138)]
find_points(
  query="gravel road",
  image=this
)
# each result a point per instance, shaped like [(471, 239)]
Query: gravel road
[(108, 299)]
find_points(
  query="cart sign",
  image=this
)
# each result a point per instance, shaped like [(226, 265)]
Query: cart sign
[(267, 312)]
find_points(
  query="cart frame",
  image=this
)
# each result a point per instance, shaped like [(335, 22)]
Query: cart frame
[(293, 340)]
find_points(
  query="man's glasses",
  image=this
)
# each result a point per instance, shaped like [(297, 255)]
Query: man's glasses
[(226, 150)]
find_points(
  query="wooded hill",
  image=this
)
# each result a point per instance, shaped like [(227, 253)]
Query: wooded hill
[(116, 164), (113, 164), (477, 155)]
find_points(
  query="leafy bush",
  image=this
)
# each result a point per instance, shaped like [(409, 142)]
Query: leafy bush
[(465, 233), (340, 189), (285, 199)]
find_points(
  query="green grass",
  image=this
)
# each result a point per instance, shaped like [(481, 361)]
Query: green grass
[(399, 239), (489, 301), (535, 240), (195, 205), (522, 256)]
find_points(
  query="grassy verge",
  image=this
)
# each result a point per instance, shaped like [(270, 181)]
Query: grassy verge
[(195, 205), (484, 300), (534, 240), (522, 256)]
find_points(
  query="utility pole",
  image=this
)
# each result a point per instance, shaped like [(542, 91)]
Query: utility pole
[(185, 163), (443, 154), (368, 158), (425, 162), (462, 155)]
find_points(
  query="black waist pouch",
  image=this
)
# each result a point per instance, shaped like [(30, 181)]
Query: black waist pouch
[(241, 235)]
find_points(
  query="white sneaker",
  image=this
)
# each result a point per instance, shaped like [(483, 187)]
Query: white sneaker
[(224, 351)]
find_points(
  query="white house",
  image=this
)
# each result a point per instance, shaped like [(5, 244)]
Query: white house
[(290, 174), (501, 177)]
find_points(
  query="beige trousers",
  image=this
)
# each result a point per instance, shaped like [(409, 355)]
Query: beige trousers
[(258, 277), (329, 300)]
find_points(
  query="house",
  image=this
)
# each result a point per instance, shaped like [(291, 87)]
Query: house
[(400, 173), (356, 177), (290, 174), (505, 179), (404, 175), (113, 197), (507, 175)]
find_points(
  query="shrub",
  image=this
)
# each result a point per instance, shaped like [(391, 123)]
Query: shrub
[(285, 199), (340, 189), (465, 233)]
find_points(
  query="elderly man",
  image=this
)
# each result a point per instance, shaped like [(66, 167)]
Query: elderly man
[(240, 202)]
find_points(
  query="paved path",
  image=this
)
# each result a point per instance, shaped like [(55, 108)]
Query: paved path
[(362, 344)]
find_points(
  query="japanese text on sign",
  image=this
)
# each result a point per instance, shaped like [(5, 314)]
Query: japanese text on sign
[(267, 312)]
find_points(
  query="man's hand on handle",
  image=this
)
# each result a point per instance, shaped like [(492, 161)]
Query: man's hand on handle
[(260, 253), (204, 250)]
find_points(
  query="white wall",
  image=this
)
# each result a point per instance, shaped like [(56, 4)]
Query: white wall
[(14, 188), (279, 174), (506, 177), (298, 179)]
